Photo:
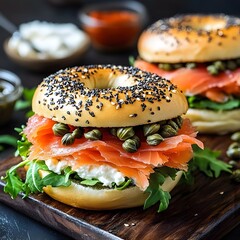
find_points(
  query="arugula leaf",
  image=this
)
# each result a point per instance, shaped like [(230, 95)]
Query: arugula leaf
[(204, 103), (89, 182), (123, 185), (67, 172), (55, 180), (33, 183), (7, 140), (156, 193), (188, 175), (33, 180), (207, 161), (131, 60), (26, 101), (14, 185), (23, 144)]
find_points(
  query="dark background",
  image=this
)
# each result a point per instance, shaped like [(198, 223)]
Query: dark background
[(14, 225)]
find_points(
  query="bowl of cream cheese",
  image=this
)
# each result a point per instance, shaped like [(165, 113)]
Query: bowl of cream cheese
[(41, 45)]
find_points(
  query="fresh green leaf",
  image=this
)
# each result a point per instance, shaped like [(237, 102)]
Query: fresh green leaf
[(26, 101), (14, 185), (22, 104), (89, 182), (188, 177), (204, 103), (67, 172), (156, 193), (131, 60), (167, 172), (29, 113), (207, 161), (33, 179), (34, 182), (124, 185), (55, 180), (7, 140), (23, 145)]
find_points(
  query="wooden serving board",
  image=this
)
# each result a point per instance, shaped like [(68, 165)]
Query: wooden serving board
[(207, 210)]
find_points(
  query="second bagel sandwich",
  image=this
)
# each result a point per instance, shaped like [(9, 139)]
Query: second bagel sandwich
[(201, 55)]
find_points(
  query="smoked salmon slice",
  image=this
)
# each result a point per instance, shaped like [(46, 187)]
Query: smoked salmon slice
[(198, 81), (173, 152)]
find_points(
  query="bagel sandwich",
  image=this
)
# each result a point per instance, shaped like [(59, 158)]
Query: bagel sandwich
[(102, 137), (201, 55)]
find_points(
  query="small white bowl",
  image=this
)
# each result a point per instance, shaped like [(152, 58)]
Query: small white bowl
[(44, 61)]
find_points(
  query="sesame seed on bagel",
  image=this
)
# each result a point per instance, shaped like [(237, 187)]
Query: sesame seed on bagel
[(107, 96), (191, 38)]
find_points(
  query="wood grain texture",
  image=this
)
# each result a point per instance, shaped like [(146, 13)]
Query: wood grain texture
[(207, 210)]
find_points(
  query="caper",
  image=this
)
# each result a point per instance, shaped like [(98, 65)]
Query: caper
[(212, 70), (68, 139), (78, 132), (59, 129), (173, 124), (137, 140), (179, 121), (94, 134), (177, 65), (167, 131), (234, 145), (130, 145), (165, 66), (236, 175), (233, 163), (113, 131), (233, 153), (191, 65), (125, 133), (235, 136), (154, 139), (163, 122), (231, 65), (150, 129), (219, 65)]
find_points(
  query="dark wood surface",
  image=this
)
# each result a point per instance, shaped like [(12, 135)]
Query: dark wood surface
[(207, 210), (16, 226)]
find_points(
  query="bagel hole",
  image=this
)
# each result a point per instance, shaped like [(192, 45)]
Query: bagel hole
[(111, 81)]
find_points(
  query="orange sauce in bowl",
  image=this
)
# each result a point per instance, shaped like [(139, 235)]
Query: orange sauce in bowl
[(113, 30)]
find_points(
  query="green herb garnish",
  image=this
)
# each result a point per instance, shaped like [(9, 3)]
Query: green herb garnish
[(26, 101), (204, 103), (156, 193), (208, 162), (7, 140)]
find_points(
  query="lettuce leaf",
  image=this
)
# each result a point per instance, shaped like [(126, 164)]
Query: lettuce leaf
[(156, 193), (208, 162), (204, 103), (34, 183)]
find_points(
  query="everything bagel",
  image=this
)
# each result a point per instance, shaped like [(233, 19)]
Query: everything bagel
[(191, 38), (200, 54), (103, 137), (107, 96)]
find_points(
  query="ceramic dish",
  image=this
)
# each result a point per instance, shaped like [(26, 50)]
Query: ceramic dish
[(43, 46)]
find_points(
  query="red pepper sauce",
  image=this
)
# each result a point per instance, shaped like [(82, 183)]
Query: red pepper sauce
[(114, 29)]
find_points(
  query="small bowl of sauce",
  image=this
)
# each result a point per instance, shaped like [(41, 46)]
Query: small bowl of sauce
[(10, 91), (113, 26)]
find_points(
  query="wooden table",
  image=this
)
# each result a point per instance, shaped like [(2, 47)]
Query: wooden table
[(16, 225)]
